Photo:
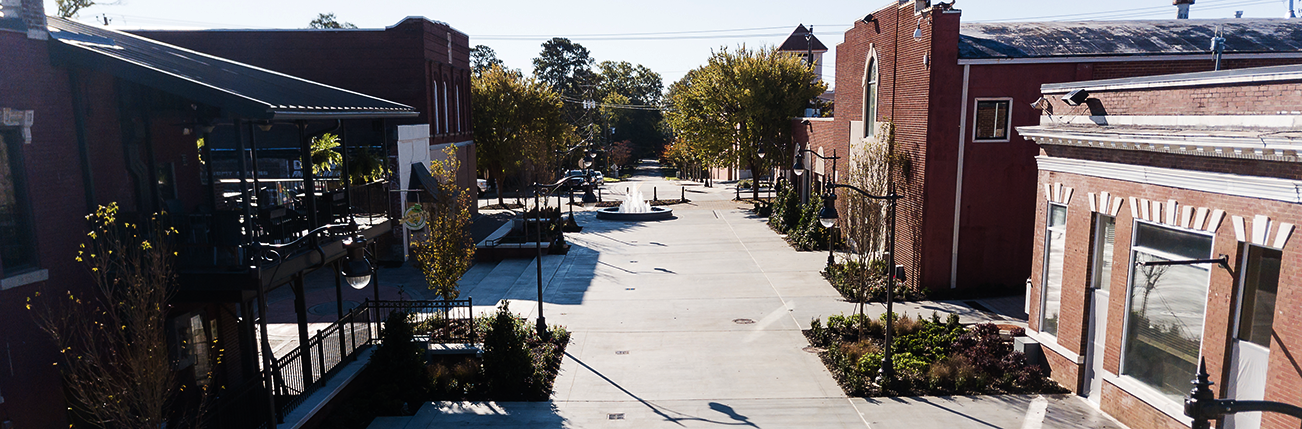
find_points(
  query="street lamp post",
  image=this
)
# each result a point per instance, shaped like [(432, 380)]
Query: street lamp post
[(540, 190), (828, 216), (799, 169)]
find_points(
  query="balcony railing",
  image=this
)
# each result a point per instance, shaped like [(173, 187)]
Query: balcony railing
[(338, 344), (219, 239)]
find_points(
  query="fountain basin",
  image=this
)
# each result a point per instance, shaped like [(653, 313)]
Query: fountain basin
[(656, 213)]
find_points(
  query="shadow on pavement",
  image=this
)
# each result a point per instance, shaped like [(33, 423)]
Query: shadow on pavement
[(677, 417)]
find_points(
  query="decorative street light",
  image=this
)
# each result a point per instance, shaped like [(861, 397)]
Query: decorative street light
[(356, 269), (799, 169), (827, 216)]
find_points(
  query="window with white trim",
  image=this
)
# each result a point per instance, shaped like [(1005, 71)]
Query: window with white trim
[(870, 98), (992, 119), (1257, 294), (1055, 249), (1165, 308)]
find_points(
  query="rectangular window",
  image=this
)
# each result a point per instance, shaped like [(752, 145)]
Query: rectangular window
[(1105, 235), (17, 244), (1257, 300), (1164, 318), (992, 119), (1055, 247)]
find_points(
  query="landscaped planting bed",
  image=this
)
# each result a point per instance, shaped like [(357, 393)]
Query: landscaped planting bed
[(931, 357)]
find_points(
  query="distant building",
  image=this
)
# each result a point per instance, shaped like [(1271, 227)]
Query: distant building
[(803, 42), (1175, 168), (956, 94)]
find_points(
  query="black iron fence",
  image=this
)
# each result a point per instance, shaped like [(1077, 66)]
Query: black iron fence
[(304, 370)]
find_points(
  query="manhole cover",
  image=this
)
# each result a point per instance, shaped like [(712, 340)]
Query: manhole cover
[(621, 352), (812, 349), (743, 321), (615, 416)]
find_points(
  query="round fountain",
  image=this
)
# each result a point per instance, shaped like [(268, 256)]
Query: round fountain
[(634, 208)]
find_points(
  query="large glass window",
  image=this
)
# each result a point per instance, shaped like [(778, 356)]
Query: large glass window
[(870, 99), (1105, 235), (1164, 321), (1257, 302), (17, 246), (1055, 247), (992, 119)]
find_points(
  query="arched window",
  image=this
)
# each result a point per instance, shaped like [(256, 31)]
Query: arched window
[(870, 97)]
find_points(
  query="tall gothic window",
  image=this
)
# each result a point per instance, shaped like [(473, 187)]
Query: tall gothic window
[(870, 98)]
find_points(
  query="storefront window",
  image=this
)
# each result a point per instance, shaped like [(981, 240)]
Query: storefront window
[(1055, 245), (1164, 321)]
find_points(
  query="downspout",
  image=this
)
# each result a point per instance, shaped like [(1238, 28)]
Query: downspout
[(83, 147), (958, 186)]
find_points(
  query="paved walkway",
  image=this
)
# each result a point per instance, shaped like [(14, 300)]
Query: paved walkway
[(695, 322)]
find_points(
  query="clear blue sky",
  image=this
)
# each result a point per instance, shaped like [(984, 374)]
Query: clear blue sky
[(668, 36)]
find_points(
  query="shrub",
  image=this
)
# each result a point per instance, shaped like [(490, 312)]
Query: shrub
[(400, 362), (508, 366), (844, 275)]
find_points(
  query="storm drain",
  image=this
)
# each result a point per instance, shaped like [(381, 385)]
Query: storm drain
[(615, 416), (621, 352), (743, 321)]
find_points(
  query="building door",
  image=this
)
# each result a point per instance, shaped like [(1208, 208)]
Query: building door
[(1253, 326), (1098, 328)]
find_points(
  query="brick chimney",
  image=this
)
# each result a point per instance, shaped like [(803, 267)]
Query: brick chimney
[(1182, 8), (32, 14)]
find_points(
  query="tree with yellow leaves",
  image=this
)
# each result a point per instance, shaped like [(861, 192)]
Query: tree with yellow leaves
[(445, 250)]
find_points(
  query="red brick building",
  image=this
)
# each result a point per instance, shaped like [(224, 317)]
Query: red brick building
[(956, 92), (1180, 168), (91, 116), (417, 62)]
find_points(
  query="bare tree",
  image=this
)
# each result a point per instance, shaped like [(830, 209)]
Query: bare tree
[(116, 368), (864, 225)]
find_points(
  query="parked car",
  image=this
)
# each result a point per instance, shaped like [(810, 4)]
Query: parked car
[(576, 179), (483, 185)]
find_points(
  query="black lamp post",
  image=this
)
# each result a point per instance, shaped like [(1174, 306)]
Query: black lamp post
[(799, 169), (1201, 405), (828, 216), (541, 190)]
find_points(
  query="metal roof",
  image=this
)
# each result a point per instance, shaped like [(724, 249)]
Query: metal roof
[(796, 41), (1122, 38), (240, 90)]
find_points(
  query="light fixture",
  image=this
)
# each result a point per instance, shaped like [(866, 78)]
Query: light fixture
[(799, 166), (917, 31), (827, 216), (868, 18), (356, 270), (265, 126), (1075, 97), (760, 152)]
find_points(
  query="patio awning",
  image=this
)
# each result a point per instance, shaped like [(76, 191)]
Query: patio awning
[(239, 89), (422, 179)]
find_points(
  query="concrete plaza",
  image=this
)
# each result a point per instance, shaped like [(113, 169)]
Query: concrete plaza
[(695, 322)]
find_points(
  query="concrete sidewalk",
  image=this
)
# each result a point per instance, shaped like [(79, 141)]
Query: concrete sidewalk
[(695, 322)]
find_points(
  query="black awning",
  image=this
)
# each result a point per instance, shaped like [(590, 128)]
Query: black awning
[(422, 179), (239, 89)]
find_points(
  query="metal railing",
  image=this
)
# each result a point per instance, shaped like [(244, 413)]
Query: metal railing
[(338, 344)]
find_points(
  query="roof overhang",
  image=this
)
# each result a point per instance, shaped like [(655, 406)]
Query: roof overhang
[(1271, 145)]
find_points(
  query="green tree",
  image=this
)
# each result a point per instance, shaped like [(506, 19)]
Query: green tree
[(113, 339), (70, 8), (482, 58), (328, 20), (741, 101), (564, 66), (324, 156), (516, 121), (445, 251), (631, 97)]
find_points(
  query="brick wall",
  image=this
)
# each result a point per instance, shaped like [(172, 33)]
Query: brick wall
[(1243, 99), (33, 396), (1285, 378)]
